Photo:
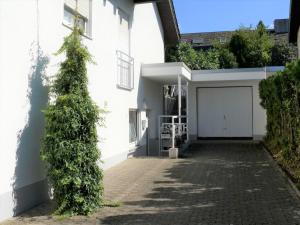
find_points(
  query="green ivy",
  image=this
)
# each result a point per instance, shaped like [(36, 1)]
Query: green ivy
[(280, 96), (70, 142)]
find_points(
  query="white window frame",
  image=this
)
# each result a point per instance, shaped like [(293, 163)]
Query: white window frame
[(125, 71), (87, 21)]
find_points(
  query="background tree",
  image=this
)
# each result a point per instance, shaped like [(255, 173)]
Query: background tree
[(195, 60), (208, 60), (283, 53), (227, 59), (70, 142), (252, 48), (183, 52)]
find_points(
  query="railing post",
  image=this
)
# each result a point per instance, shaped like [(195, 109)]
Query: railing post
[(159, 135), (173, 132)]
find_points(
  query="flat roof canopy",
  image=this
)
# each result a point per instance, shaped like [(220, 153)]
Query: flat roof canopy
[(234, 74), (166, 73)]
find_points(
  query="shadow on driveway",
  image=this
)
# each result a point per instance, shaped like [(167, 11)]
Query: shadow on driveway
[(217, 184)]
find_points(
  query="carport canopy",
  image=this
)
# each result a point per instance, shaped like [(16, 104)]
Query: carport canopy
[(167, 73)]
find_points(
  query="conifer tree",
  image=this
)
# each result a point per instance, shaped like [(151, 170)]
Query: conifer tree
[(70, 142)]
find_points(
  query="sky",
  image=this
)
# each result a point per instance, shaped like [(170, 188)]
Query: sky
[(222, 15)]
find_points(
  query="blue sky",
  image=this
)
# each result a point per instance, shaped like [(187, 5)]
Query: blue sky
[(222, 15)]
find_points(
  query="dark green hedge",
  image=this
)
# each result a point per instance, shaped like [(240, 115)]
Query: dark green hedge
[(280, 96)]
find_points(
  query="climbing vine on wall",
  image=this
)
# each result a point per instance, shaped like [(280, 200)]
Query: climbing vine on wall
[(280, 96)]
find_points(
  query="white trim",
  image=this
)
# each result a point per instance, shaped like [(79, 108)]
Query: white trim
[(167, 73)]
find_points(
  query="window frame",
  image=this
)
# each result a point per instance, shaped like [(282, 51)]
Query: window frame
[(87, 21), (137, 126), (123, 58)]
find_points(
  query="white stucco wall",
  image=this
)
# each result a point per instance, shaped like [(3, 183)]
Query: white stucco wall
[(30, 32), (259, 114)]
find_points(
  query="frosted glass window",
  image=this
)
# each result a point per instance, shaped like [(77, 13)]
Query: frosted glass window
[(133, 126)]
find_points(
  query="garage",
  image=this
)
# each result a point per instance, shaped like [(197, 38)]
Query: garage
[(225, 112)]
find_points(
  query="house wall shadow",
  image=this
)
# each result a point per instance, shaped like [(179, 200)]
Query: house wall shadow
[(29, 184)]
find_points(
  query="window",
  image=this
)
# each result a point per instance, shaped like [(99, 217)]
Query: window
[(84, 11), (223, 40), (124, 32), (124, 60), (198, 41), (133, 125), (125, 71)]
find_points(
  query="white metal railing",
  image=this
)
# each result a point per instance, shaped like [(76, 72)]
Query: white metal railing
[(170, 128), (125, 65)]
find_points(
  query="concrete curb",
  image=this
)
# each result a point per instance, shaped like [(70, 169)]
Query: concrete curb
[(285, 176)]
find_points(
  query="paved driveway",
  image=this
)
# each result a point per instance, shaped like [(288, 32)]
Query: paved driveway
[(218, 184)]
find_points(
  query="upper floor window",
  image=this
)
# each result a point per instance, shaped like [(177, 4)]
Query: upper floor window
[(198, 40), (125, 65), (125, 61), (124, 32), (223, 40), (83, 8)]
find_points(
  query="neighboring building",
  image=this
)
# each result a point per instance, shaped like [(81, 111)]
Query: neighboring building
[(206, 40), (127, 39), (295, 23)]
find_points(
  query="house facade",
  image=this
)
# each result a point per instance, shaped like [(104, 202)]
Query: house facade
[(121, 35), (295, 23)]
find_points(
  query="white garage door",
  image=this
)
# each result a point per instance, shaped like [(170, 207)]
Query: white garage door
[(225, 112)]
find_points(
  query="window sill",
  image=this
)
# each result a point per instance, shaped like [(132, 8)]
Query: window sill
[(83, 35), (124, 88), (133, 147)]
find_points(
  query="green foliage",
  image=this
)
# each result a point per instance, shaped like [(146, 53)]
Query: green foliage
[(183, 52), (227, 59), (280, 96), (208, 60), (195, 60), (283, 53), (70, 142), (247, 48), (252, 48)]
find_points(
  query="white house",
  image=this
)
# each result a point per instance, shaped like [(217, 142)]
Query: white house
[(121, 35), (127, 39), (295, 23)]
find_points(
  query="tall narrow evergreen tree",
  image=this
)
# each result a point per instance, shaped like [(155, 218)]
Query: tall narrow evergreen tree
[(70, 143)]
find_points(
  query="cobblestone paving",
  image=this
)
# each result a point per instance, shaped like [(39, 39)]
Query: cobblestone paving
[(217, 184)]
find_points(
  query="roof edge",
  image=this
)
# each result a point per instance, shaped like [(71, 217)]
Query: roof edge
[(168, 18)]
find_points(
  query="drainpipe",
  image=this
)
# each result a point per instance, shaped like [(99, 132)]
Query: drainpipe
[(187, 111)]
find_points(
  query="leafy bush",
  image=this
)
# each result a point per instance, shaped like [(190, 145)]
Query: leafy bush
[(280, 96), (208, 60), (183, 52), (70, 143), (283, 53), (227, 59), (195, 60)]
